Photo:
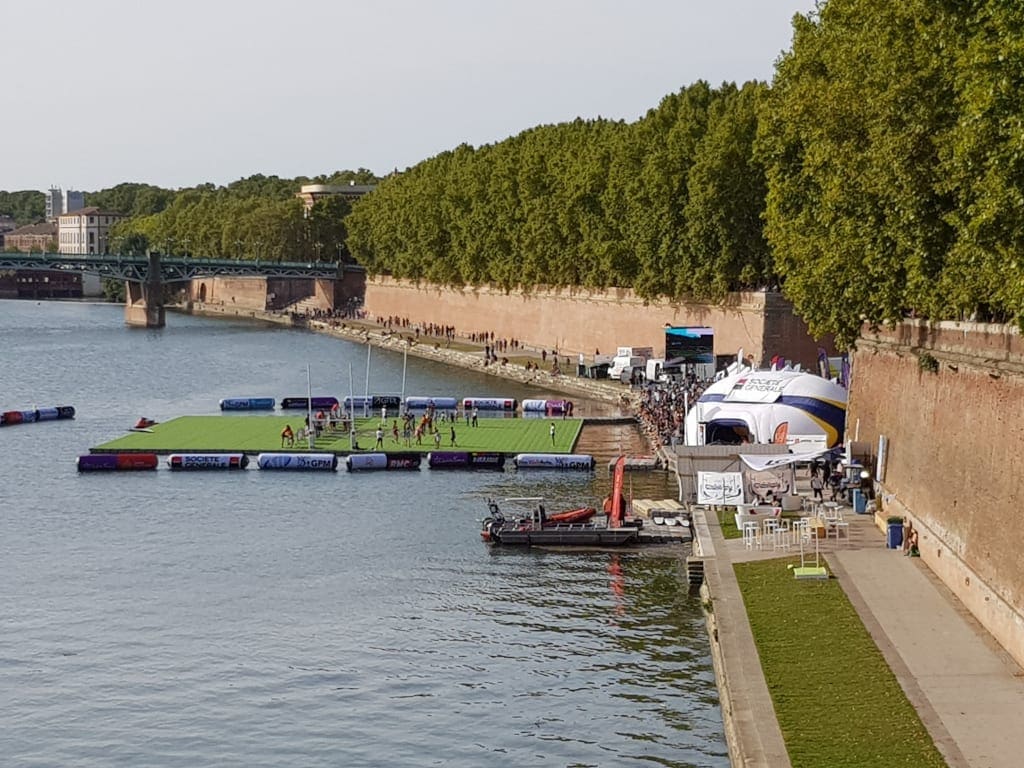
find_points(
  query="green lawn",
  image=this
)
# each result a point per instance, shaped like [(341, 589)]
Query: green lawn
[(255, 434), (837, 701)]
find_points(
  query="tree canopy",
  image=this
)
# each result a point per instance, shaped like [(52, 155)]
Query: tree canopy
[(893, 141), (258, 217), (656, 205), (25, 207)]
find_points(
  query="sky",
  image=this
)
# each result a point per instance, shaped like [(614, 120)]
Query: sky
[(193, 91)]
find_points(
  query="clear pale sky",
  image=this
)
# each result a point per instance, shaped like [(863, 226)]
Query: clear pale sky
[(186, 92)]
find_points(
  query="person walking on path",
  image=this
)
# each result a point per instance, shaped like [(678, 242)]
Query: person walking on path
[(551, 431), (817, 486)]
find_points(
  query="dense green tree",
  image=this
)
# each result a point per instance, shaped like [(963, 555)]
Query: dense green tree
[(132, 199), (725, 248), (25, 207), (985, 168), (258, 217)]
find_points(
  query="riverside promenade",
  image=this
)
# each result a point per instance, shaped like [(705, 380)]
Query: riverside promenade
[(967, 691), (462, 354)]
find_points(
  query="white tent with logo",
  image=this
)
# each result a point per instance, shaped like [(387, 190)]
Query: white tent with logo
[(784, 406)]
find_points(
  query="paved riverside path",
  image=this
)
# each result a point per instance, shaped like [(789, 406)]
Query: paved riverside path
[(968, 692)]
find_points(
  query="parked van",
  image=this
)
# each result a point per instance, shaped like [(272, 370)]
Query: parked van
[(625, 365), (654, 370)]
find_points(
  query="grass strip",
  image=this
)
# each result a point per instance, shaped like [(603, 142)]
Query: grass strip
[(262, 433), (838, 703), (727, 521)]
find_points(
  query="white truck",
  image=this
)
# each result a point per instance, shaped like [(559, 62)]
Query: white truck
[(628, 358)]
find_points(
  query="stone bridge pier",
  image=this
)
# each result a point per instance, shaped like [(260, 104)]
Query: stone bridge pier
[(144, 302)]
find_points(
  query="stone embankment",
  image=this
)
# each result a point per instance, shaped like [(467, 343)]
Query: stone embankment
[(365, 332)]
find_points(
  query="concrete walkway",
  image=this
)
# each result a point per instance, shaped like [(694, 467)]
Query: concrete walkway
[(968, 692)]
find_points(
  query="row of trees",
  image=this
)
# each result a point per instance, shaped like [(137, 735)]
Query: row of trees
[(669, 205), (25, 207), (258, 217), (893, 138), (881, 175), (255, 217)]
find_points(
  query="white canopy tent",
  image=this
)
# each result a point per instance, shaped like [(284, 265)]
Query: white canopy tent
[(768, 407)]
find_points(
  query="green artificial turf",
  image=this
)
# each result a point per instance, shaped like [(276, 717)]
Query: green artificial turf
[(836, 699), (256, 434), (727, 520)]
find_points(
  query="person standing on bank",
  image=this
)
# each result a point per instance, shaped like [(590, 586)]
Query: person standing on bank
[(453, 436), (551, 432)]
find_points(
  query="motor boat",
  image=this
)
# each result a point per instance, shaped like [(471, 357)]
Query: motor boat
[(537, 528)]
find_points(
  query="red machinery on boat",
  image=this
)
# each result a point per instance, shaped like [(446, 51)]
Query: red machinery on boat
[(580, 515)]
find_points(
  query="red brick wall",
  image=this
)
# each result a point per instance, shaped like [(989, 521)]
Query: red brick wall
[(254, 293), (241, 292), (954, 460), (576, 321)]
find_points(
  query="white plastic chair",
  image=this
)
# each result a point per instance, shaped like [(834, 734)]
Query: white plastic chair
[(783, 535), (751, 537)]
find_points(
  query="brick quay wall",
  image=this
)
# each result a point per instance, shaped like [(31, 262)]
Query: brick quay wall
[(573, 320), (949, 401)]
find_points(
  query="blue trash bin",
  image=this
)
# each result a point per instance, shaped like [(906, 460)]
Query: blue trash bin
[(860, 501), (894, 539)]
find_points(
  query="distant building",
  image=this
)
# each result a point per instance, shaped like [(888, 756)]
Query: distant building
[(86, 231), (310, 193), (40, 284), (58, 202), (32, 237), (72, 201), (54, 203), (6, 225)]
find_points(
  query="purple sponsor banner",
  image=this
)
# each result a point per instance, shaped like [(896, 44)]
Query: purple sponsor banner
[(97, 462), (297, 403), (439, 459), (495, 460)]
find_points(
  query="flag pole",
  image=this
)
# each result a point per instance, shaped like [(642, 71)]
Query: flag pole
[(405, 363), (366, 392), (352, 409), (309, 409)]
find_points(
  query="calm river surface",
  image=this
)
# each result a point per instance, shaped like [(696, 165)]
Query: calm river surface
[(263, 619)]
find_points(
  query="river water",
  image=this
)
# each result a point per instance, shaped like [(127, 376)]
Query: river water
[(266, 619)]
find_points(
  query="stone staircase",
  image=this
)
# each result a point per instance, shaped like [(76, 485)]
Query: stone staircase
[(305, 306)]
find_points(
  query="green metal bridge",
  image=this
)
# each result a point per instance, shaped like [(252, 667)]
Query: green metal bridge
[(171, 269)]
